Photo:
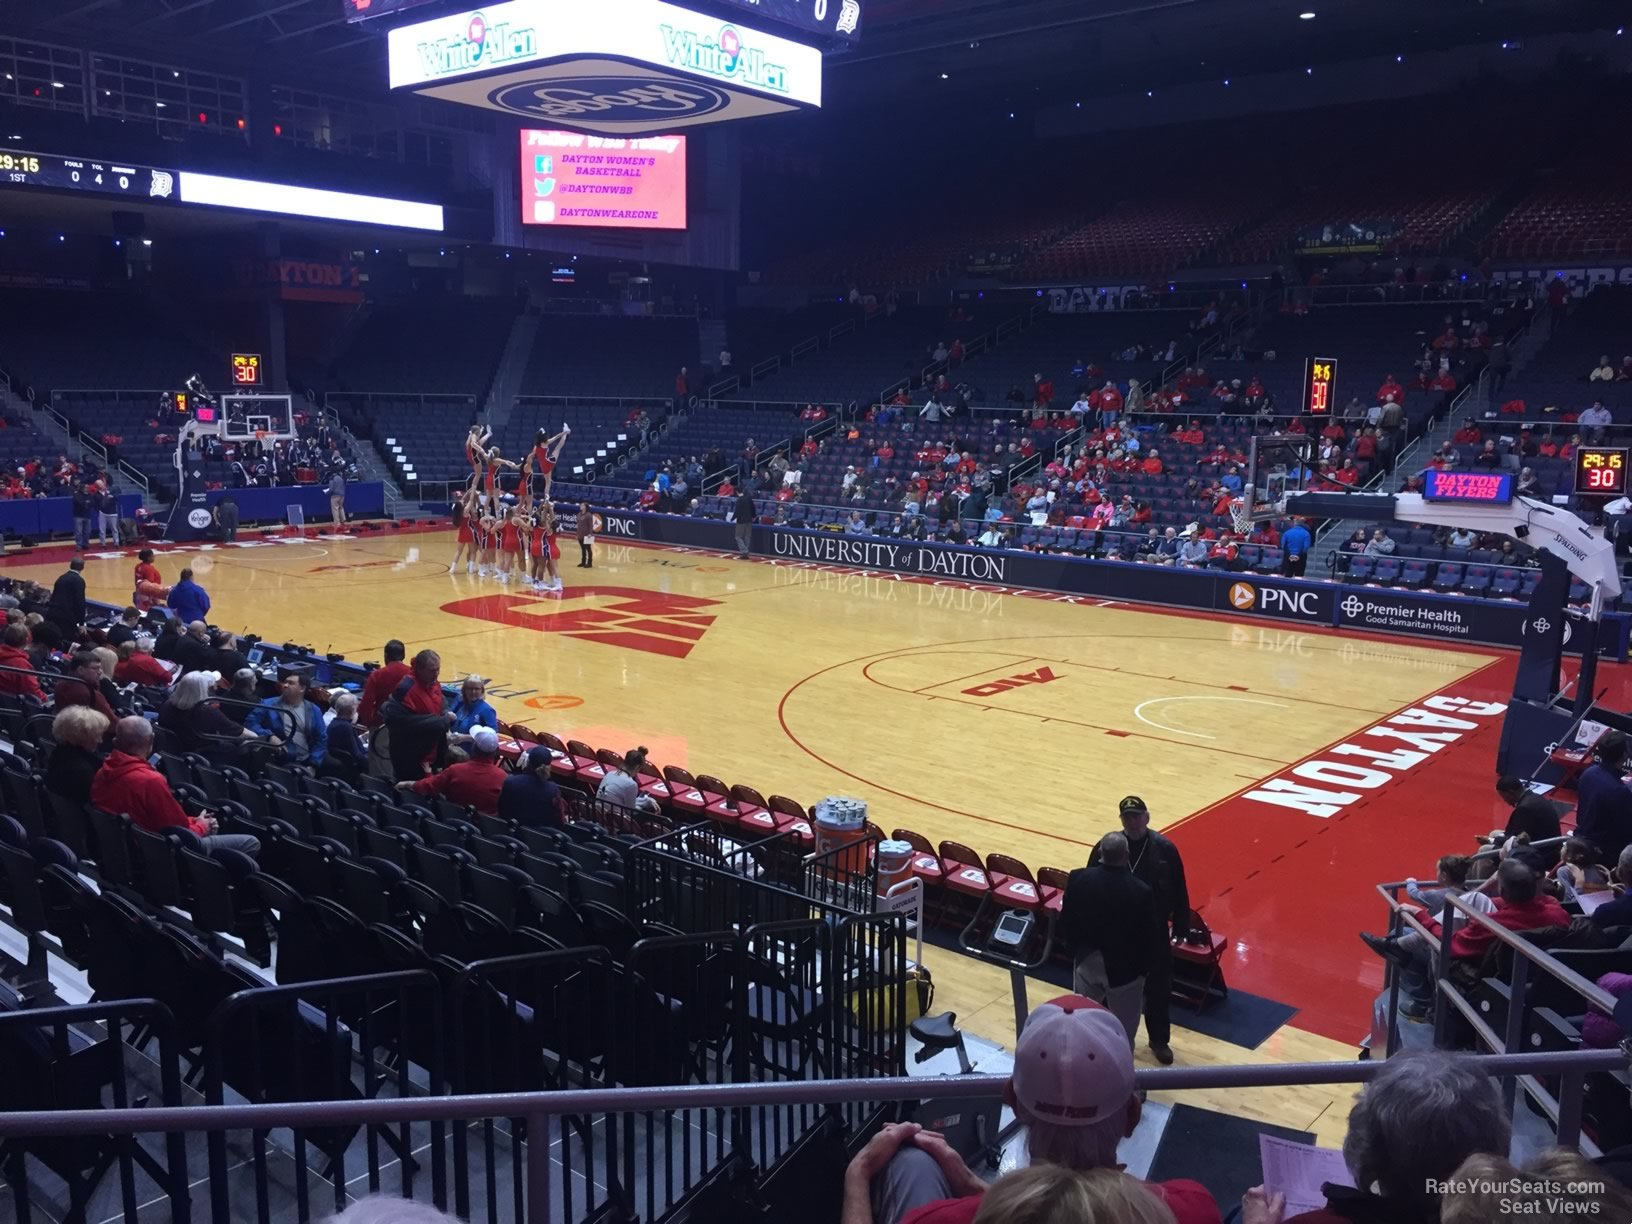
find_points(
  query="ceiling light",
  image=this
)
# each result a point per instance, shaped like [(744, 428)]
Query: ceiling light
[(1226, 80), (1150, 93), (945, 77), (147, 242), (1308, 72), (1306, 16), (1399, 59), (56, 84)]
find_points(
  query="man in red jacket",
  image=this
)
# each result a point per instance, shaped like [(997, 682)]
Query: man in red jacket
[(127, 783), (474, 783), (14, 654), (382, 682), (1072, 1086)]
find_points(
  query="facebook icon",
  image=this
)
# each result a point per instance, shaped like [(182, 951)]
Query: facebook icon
[(543, 163)]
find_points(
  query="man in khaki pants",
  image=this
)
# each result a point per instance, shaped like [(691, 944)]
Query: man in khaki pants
[(1105, 923)]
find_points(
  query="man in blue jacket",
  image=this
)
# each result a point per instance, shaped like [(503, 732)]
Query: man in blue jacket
[(1295, 549), (1603, 812), (303, 734), (188, 600)]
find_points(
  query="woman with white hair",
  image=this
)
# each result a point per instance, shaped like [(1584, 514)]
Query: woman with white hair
[(195, 720), (348, 741)]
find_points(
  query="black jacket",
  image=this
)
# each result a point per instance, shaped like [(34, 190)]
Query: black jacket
[(69, 772), (67, 605), (744, 512), (1110, 911), (1155, 860)]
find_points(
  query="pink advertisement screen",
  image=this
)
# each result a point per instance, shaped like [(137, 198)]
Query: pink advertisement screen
[(611, 182)]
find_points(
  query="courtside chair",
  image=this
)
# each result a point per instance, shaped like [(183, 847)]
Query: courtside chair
[(924, 866), (965, 874), (590, 769), (1052, 881), (1013, 885), (1201, 951), (686, 798)]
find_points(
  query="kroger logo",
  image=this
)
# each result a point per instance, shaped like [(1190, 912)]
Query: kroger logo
[(637, 101), (480, 46), (198, 519), (726, 57)]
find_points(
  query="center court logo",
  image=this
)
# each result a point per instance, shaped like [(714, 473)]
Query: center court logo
[(636, 101), (648, 621)]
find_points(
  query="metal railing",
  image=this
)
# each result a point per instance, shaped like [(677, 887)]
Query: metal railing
[(535, 1176), (1563, 1107)]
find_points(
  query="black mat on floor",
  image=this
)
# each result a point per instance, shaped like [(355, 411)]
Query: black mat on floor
[(1242, 1019), (1218, 1150)]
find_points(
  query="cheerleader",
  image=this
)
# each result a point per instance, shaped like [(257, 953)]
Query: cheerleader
[(464, 510), (549, 550), (493, 463), (510, 547), (148, 583), (541, 462), (475, 455), (532, 541), (486, 530)]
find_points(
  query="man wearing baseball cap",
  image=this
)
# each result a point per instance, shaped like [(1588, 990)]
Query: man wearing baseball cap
[(474, 783), (529, 796), (1072, 1086), (1156, 861)]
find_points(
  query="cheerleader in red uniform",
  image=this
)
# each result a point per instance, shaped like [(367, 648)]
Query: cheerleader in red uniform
[(508, 545), (149, 583), (485, 531), (533, 539), (493, 464), (475, 455), (549, 550), (541, 463), (464, 510)]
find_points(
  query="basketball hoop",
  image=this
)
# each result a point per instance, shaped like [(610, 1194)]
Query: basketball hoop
[(1241, 515)]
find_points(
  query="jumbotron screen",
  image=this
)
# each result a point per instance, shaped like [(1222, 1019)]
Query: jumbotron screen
[(611, 182)]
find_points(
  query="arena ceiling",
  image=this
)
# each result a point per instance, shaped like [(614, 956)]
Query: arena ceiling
[(996, 48)]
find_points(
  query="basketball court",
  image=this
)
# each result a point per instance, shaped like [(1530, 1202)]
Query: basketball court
[(1011, 721)]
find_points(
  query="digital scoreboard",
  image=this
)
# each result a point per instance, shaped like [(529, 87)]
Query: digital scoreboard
[(1600, 471), (111, 178), (1319, 385), (246, 369), (363, 10), (834, 19), (1474, 488)]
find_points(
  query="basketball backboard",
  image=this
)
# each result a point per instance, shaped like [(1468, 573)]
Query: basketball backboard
[(1277, 465)]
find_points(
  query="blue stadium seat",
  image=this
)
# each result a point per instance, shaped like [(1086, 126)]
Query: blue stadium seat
[(1448, 576), (1477, 581), (1388, 570), (1414, 573), (1362, 568)]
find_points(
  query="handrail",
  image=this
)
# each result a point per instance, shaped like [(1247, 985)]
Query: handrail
[(1590, 991), (382, 1111), (135, 475)]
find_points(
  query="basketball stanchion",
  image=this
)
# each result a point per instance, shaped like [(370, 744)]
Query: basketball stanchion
[(297, 519)]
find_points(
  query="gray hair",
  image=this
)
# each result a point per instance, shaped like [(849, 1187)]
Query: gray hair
[(1113, 849), (1074, 1147), (345, 705), (193, 689), (1424, 1114), (1623, 865)]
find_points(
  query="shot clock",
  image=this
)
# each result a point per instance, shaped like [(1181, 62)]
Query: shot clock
[(1600, 471), (246, 369), (1319, 385)]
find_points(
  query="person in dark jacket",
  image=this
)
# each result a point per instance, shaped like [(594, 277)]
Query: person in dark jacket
[(1105, 923), (125, 629), (78, 732), (417, 717), (1155, 860), (348, 740), (1534, 816), (66, 609), (1603, 813), (743, 515), (529, 795), (84, 506)]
